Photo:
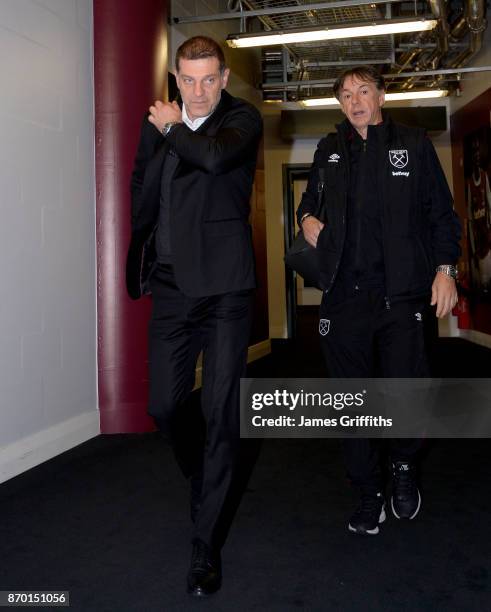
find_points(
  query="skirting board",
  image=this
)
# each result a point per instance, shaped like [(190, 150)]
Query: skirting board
[(278, 331), (475, 336), (32, 450), (448, 328), (256, 351)]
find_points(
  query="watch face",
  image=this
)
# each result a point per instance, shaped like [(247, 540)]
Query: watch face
[(166, 128)]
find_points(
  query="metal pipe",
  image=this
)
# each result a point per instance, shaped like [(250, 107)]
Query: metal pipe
[(407, 58), (403, 47), (389, 76), (476, 22), (439, 10), (434, 59), (321, 64), (440, 71), (459, 28)]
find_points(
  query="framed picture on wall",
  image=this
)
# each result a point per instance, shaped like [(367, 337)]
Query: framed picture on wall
[(477, 170)]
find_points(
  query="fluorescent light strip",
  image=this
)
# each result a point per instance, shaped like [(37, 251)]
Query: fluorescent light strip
[(376, 29), (319, 102), (417, 95), (389, 97)]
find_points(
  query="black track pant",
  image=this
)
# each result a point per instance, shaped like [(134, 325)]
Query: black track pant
[(206, 444), (367, 338)]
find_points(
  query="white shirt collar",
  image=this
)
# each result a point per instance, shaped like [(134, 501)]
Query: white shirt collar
[(193, 125)]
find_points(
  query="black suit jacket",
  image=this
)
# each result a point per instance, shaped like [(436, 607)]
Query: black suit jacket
[(209, 206)]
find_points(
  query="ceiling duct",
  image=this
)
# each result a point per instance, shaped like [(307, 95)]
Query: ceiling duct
[(476, 23), (439, 11), (411, 61), (433, 60)]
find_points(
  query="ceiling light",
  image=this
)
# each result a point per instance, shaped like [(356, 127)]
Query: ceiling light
[(389, 97), (416, 95), (393, 26), (319, 102)]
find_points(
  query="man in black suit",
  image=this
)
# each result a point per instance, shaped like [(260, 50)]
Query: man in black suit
[(191, 187)]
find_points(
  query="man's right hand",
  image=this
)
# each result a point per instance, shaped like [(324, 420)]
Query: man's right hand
[(312, 227), (164, 112)]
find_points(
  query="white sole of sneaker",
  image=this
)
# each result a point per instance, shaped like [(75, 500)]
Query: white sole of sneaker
[(373, 531), (410, 518)]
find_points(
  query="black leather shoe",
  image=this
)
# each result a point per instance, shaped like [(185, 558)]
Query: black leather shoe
[(205, 574)]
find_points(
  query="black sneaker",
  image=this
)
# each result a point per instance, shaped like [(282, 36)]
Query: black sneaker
[(406, 498), (369, 514)]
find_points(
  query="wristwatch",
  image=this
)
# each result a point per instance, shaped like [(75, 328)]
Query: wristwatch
[(304, 217), (448, 270), (168, 127)]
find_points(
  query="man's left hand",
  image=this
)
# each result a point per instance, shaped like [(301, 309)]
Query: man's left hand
[(164, 112), (443, 294)]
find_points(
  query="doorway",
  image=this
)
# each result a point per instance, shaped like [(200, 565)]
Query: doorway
[(298, 293)]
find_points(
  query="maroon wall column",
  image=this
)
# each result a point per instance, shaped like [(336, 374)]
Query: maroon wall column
[(130, 71)]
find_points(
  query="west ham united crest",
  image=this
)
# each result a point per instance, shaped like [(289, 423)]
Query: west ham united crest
[(324, 326), (398, 158)]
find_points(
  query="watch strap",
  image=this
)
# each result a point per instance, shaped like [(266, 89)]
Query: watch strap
[(448, 270), (168, 127)]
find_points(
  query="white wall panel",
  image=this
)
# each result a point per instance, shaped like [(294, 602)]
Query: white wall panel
[(47, 234)]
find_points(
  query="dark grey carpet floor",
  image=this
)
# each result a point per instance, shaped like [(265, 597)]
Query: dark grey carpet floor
[(108, 521)]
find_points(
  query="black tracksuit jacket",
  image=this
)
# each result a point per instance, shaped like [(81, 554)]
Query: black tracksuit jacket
[(420, 229)]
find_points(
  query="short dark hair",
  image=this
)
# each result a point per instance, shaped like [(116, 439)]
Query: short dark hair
[(364, 73), (199, 47)]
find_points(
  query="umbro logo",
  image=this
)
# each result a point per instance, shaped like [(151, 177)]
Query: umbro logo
[(334, 158)]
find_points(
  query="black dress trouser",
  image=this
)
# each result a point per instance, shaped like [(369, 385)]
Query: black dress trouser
[(206, 443), (367, 337)]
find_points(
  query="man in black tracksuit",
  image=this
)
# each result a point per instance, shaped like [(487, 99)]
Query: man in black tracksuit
[(387, 240)]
